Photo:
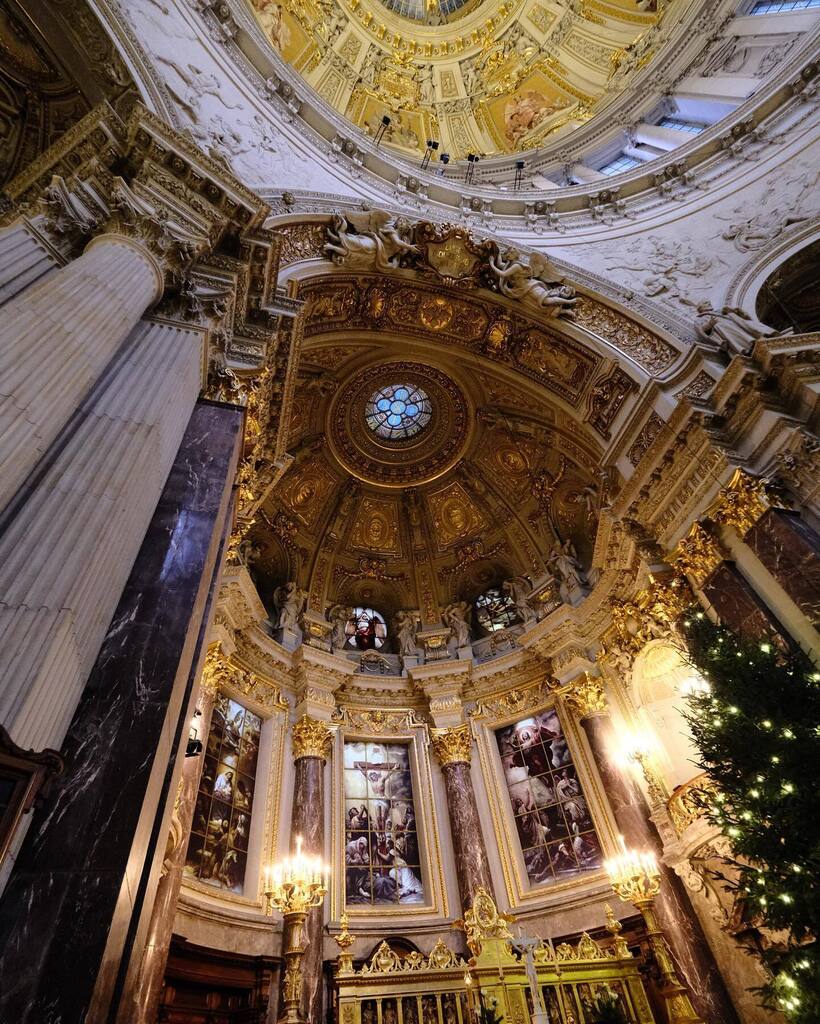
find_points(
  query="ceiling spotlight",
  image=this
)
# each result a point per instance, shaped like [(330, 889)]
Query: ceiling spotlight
[(382, 129), (432, 146)]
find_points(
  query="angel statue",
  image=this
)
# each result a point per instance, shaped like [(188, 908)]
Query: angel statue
[(457, 617), (339, 616), (538, 285), (289, 601), (405, 627), (518, 588), (368, 240)]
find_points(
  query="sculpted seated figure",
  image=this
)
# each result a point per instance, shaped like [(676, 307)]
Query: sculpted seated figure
[(538, 284), (372, 240)]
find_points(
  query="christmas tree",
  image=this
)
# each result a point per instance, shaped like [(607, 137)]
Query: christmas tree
[(756, 725)]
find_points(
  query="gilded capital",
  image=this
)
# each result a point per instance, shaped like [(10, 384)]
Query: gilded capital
[(698, 554), (586, 697), (452, 746), (311, 738), (742, 502)]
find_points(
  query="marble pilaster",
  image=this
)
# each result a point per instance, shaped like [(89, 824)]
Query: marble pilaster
[(311, 745), (78, 897), (678, 920), (66, 554), (453, 749), (790, 549)]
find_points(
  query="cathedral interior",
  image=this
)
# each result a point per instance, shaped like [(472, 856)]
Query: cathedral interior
[(387, 387)]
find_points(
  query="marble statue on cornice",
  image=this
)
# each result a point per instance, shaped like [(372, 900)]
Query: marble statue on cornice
[(518, 588), (377, 241), (289, 600), (339, 617), (563, 563), (456, 616), (729, 329), (405, 627), (538, 284)]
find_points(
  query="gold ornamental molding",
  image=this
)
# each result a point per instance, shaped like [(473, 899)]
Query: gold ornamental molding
[(310, 738), (220, 673), (687, 804), (452, 746)]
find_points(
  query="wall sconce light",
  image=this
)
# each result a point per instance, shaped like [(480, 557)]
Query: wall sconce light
[(194, 747)]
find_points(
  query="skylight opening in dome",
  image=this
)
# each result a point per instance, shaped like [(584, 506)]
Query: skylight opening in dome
[(425, 10), (398, 411)]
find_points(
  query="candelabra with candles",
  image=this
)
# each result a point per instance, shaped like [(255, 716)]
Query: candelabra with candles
[(294, 886), (636, 878)]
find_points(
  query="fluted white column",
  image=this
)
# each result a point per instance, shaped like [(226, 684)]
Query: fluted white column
[(66, 555), (585, 175), (23, 259), (662, 138), (57, 337), (644, 155)]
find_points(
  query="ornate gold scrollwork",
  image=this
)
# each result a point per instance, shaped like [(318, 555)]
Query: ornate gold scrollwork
[(698, 554)]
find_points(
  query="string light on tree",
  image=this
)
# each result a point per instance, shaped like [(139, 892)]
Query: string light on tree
[(758, 734)]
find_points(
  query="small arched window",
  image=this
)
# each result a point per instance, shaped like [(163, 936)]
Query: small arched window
[(366, 629), (495, 610)]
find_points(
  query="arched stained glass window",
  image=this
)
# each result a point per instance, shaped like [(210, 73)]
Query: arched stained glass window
[(366, 629), (495, 610), (398, 411)]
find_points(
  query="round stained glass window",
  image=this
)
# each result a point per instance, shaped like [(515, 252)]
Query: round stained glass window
[(398, 411)]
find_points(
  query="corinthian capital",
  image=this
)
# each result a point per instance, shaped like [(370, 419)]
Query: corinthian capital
[(452, 746), (586, 697), (311, 738)]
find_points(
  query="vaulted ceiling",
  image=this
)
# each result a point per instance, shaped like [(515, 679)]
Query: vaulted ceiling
[(481, 76)]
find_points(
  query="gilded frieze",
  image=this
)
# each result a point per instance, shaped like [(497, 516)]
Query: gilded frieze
[(376, 526), (300, 241)]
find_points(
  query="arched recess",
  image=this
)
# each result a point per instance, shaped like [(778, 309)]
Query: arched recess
[(757, 286), (789, 298), (660, 681)]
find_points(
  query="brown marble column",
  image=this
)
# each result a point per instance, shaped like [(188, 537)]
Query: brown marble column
[(701, 556), (790, 549), (676, 915), (453, 748), (311, 746), (142, 1005)]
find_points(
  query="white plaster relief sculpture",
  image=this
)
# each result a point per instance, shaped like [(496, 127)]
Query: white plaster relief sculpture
[(538, 284), (373, 240)]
